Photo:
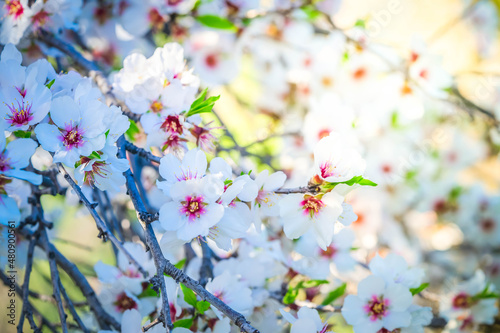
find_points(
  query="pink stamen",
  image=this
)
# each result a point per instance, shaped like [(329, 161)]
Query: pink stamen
[(193, 207)]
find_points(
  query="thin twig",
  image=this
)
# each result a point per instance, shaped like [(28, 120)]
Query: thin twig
[(72, 310), (44, 321), (103, 229), (104, 319), (129, 146), (165, 266), (206, 268), (26, 283), (54, 274)]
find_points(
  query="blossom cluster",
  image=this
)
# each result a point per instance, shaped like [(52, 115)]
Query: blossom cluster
[(312, 230)]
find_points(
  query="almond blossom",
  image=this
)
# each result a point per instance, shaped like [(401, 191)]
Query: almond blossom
[(378, 305)]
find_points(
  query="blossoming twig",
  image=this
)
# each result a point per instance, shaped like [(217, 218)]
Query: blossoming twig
[(165, 266), (129, 146), (103, 229)]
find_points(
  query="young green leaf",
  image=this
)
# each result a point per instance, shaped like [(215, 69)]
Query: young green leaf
[(216, 22), (333, 295), (189, 295), (185, 323), (354, 180), (49, 85), (202, 306), (419, 289), (22, 134), (202, 106), (180, 264)]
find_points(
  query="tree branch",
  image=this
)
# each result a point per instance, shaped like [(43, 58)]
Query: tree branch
[(54, 274), (165, 266), (103, 229)]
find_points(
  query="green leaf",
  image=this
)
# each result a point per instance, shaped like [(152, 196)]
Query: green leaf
[(94, 155), (311, 12), (486, 294), (185, 323), (22, 134), (189, 295), (354, 180), (290, 295), (313, 283), (216, 22), (202, 306), (200, 105), (132, 131), (49, 85), (148, 292), (293, 292), (360, 23), (333, 295), (419, 289), (180, 264)]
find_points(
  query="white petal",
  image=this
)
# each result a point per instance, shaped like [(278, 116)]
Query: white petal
[(48, 136), (372, 285), (64, 112)]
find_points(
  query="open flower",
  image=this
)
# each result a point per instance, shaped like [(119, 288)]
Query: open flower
[(194, 209), (302, 212), (336, 160), (378, 305), (78, 129), (16, 156), (24, 98), (234, 293), (307, 320), (105, 174)]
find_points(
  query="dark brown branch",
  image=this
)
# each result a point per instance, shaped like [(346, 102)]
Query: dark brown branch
[(103, 318), (103, 229), (206, 268), (26, 283), (129, 146), (165, 266), (54, 274), (72, 310), (31, 309)]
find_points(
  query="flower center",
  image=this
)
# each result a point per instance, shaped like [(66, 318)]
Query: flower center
[(359, 73), (40, 18), (20, 115), (156, 19), (124, 303), (462, 301), (211, 60), (4, 163), (488, 225), (156, 107), (377, 307), (323, 133), (193, 207), (72, 137), (327, 169), (172, 125), (98, 170), (311, 205), (103, 13), (14, 8), (329, 252), (131, 273)]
